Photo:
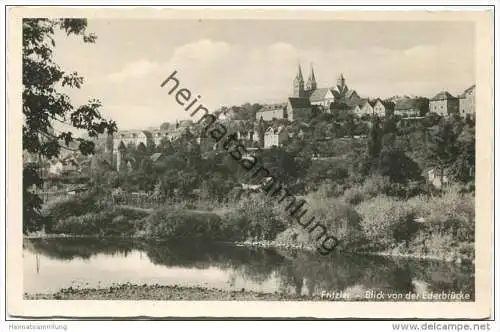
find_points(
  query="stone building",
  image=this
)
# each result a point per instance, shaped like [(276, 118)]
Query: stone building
[(298, 109), (408, 108), (367, 108), (132, 138), (275, 137), (467, 101), (268, 113), (444, 104)]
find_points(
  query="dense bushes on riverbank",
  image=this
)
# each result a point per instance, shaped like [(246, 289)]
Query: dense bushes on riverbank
[(440, 225), (250, 218), (174, 224), (85, 215)]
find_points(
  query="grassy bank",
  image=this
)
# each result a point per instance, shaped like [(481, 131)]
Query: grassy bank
[(365, 220)]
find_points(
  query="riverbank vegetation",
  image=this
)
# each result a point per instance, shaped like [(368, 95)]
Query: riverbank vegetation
[(373, 197), (439, 226)]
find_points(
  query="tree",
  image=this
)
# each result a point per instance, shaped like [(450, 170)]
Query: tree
[(443, 147), (463, 168), (165, 126), (44, 105), (374, 147), (422, 104)]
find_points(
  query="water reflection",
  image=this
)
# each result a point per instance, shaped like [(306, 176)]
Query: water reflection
[(100, 262)]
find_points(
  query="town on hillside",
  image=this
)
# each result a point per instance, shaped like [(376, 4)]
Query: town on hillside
[(268, 126)]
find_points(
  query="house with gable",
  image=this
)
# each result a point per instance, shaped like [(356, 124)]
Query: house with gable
[(444, 104), (467, 101), (298, 109), (275, 136), (410, 108), (367, 107), (383, 108)]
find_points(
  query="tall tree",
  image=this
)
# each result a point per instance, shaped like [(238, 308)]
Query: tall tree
[(44, 104), (463, 168), (443, 147)]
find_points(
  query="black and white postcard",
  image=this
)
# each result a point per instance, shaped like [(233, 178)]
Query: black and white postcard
[(249, 163)]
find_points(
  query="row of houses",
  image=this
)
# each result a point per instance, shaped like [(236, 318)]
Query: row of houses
[(305, 97), (445, 103), (146, 137)]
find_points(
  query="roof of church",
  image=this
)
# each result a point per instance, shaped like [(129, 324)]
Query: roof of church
[(350, 93), (299, 102), (299, 74), (319, 94), (443, 95)]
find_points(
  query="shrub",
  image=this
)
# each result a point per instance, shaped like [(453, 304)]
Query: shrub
[(446, 230), (452, 213), (112, 221), (294, 236), (354, 195), (71, 206), (258, 217), (328, 189), (375, 185), (340, 219), (386, 221), (168, 224)]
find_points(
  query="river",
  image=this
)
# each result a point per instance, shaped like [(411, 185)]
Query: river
[(52, 264)]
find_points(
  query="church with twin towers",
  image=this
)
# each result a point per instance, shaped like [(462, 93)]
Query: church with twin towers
[(305, 95), (322, 96)]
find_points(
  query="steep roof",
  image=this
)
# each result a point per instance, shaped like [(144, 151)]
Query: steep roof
[(155, 156), (387, 104), (299, 102), (370, 102), (319, 94), (148, 134), (405, 104), (350, 93), (443, 95), (467, 91), (361, 102), (159, 133), (274, 130), (133, 134), (121, 146)]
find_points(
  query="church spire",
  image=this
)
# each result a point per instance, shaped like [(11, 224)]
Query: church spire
[(341, 80), (311, 82), (299, 75), (298, 85)]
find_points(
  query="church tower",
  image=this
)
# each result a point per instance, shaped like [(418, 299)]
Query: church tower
[(298, 85), (311, 82), (120, 156), (341, 86)]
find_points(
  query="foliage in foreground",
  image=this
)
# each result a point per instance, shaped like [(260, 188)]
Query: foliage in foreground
[(44, 104)]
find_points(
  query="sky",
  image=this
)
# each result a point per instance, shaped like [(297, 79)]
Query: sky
[(230, 62)]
